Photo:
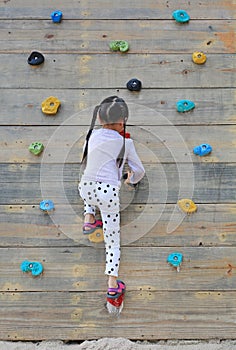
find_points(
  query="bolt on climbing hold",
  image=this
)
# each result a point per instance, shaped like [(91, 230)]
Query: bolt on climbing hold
[(50, 105), (184, 106), (96, 236), (175, 259), (199, 57), (202, 150), (181, 16), (134, 85), (56, 16), (35, 58), (187, 205), (46, 205), (36, 148), (35, 267), (119, 45)]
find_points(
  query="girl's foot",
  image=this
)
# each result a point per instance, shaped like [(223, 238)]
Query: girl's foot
[(91, 224)]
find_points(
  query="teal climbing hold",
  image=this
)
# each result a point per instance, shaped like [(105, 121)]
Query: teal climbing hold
[(46, 205), (175, 259), (181, 16), (35, 267), (184, 106), (202, 150)]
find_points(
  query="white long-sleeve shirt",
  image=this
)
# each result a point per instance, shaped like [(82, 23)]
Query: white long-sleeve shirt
[(103, 149)]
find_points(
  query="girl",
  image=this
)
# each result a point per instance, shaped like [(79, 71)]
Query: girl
[(105, 153)]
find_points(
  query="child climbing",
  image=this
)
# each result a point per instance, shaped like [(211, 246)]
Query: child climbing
[(105, 153)]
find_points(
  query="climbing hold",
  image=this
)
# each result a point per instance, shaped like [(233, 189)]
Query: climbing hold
[(35, 58), (36, 148), (199, 57), (119, 45), (35, 267), (50, 105), (56, 16), (181, 16), (184, 106), (96, 236), (46, 205), (202, 150), (187, 205), (175, 259), (134, 85)]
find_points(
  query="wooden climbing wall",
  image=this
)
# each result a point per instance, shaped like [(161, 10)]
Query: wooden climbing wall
[(67, 301)]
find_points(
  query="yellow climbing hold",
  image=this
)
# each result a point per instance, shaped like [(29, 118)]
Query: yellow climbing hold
[(96, 236), (199, 57), (50, 105), (187, 205)]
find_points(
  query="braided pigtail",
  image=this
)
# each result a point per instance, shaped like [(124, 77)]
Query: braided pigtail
[(95, 112)]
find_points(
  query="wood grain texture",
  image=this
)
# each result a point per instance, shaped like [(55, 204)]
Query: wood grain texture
[(206, 9), (82, 269), (112, 70), (79, 316), (149, 107), (154, 144), (212, 225), (94, 36), (163, 183)]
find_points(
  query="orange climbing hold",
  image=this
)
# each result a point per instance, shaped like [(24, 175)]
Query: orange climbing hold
[(199, 57), (96, 236), (50, 105), (187, 205)]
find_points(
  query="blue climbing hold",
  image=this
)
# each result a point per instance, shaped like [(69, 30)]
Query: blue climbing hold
[(35, 58), (202, 150), (56, 16), (46, 205), (134, 85), (184, 106), (181, 16), (35, 267), (175, 259)]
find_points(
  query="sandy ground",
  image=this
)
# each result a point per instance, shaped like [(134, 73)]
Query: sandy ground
[(121, 344)]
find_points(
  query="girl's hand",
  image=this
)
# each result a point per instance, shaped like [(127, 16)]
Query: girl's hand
[(129, 174)]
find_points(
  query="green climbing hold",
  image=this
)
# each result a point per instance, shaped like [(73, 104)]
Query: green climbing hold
[(119, 45), (36, 148)]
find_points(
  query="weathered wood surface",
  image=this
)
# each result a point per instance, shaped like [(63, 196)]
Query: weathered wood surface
[(67, 301), (112, 70), (84, 9), (164, 183), (82, 269), (147, 315), (94, 36), (154, 144), (212, 225), (150, 107)]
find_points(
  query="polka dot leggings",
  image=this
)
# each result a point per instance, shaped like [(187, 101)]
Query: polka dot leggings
[(106, 198)]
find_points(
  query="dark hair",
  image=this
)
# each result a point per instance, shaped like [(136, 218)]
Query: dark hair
[(110, 111)]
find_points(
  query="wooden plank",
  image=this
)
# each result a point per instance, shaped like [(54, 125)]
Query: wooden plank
[(150, 107), (154, 144), (212, 225), (82, 269), (80, 316), (209, 183), (89, 9), (144, 36), (113, 70)]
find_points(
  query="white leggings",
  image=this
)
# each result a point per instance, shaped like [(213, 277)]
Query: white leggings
[(106, 198)]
